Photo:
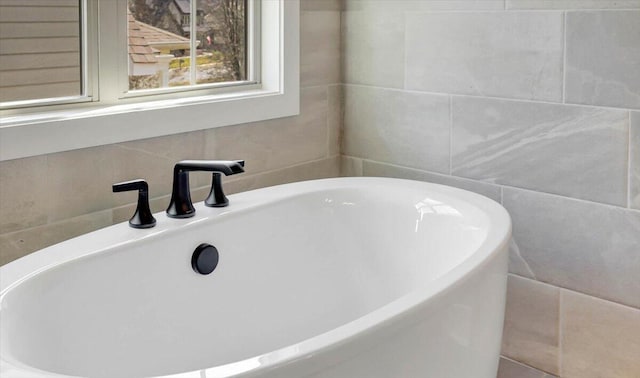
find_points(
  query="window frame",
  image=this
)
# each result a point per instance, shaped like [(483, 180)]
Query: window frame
[(108, 119)]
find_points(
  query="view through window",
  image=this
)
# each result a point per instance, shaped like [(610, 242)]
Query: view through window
[(41, 54), (164, 37)]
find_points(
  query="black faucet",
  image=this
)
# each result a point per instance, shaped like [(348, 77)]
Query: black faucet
[(142, 217), (180, 205)]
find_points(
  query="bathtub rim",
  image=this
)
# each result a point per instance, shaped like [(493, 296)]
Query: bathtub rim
[(496, 242)]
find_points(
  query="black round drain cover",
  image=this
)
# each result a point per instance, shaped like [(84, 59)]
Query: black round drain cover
[(204, 259)]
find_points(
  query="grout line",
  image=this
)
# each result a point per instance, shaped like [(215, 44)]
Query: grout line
[(566, 290), (341, 49), (526, 366), (489, 97), (490, 11), (405, 49), (564, 57), (315, 86), (65, 220), (505, 186), (617, 207), (523, 10), (327, 125), (629, 167), (560, 328), (450, 135)]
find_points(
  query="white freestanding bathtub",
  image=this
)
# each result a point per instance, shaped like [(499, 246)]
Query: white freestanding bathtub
[(341, 278)]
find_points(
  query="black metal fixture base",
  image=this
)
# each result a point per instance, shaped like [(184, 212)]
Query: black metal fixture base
[(142, 217)]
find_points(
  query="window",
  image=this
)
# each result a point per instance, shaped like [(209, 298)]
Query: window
[(165, 50), (43, 42), (206, 72)]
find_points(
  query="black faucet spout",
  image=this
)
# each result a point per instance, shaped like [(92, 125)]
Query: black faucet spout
[(228, 167), (181, 205)]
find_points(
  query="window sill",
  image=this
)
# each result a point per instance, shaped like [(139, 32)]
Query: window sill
[(82, 127)]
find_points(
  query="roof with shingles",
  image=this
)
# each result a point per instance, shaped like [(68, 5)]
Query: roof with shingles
[(143, 36), (139, 49), (155, 35)]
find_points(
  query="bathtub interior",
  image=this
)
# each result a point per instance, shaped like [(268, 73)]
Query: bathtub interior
[(289, 270)]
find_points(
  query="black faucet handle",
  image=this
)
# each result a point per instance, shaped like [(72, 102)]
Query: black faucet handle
[(142, 218), (125, 186), (216, 197)]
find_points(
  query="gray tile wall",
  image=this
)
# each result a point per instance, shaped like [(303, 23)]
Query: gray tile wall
[(501, 54), (383, 123), (602, 58), (575, 151), (543, 115), (583, 246), (47, 199)]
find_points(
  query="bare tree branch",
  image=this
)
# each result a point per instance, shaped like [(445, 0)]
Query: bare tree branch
[(234, 21)]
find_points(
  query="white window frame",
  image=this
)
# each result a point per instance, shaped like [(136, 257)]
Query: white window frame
[(138, 117)]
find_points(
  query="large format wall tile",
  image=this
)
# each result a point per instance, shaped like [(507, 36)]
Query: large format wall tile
[(531, 323), (570, 150), (421, 5), (372, 168), (20, 243), (404, 128), (603, 58), (153, 160), (634, 171), (24, 193), (583, 246), (373, 48), (599, 338), (277, 143), (319, 169), (79, 182), (321, 5), (319, 48), (501, 54), (572, 4), (334, 118)]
